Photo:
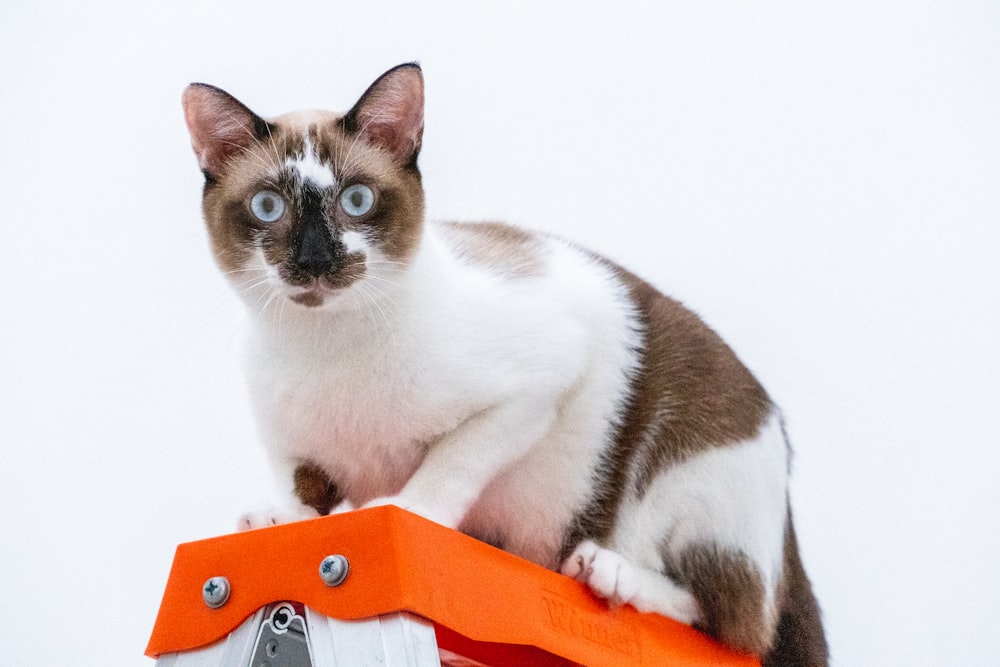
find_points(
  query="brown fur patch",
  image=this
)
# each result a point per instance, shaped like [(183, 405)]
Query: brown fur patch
[(314, 489), (730, 593), (502, 249), (690, 393), (800, 641)]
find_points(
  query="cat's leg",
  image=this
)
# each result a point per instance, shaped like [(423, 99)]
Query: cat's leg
[(460, 465), (738, 604), (715, 523), (612, 577)]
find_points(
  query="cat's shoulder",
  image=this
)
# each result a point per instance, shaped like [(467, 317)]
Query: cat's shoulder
[(496, 247)]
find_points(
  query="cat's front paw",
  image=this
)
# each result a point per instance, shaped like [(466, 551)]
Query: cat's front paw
[(605, 572), (274, 516)]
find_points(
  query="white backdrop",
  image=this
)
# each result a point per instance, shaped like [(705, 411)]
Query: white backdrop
[(820, 183)]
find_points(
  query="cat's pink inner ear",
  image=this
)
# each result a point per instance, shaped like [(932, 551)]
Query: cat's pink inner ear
[(219, 124), (391, 113)]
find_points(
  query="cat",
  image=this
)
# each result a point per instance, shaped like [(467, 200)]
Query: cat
[(504, 383)]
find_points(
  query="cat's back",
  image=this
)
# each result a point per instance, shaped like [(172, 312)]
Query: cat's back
[(497, 248), (680, 367), (544, 268), (536, 288)]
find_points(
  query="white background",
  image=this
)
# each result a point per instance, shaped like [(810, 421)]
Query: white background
[(822, 184)]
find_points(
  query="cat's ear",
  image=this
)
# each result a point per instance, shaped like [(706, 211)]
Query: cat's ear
[(391, 113), (220, 126)]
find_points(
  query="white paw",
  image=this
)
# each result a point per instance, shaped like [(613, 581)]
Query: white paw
[(607, 573), (274, 516)]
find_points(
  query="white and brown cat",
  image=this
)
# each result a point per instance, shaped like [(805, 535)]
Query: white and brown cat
[(507, 384)]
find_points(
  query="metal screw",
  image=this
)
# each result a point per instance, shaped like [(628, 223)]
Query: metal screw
[(215, 592), (333, 570)]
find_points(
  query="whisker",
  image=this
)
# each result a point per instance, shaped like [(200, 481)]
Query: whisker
[(270, 296), (385, 262), (281, 312), (371, 300), (384, 280), (243, 270)]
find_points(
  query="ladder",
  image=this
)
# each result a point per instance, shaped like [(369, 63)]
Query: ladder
[(385, 587)]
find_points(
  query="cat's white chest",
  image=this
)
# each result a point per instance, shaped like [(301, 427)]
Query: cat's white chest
[(362, 411)]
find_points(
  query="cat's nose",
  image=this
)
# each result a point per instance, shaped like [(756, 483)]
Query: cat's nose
[(316, 250)]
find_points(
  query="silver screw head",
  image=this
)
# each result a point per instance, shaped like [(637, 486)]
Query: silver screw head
[(215, 592), (333, 570)]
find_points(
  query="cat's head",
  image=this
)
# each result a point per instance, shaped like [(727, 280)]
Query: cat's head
[(310, 206)]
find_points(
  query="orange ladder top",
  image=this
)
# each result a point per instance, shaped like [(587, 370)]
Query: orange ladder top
[(485, 604)]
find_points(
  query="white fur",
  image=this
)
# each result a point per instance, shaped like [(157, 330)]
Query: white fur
[(355, 242), (456, 390), (310, 168)]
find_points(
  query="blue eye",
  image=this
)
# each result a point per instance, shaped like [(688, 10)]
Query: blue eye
[(267, 206), (357, 200)]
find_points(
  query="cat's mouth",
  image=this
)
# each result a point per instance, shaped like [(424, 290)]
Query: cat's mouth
[(314, 295), (310, 299), (312, 292)]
